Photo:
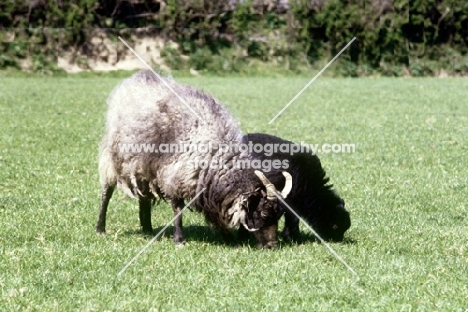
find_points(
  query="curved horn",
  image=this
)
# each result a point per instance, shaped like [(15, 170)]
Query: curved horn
[(287, 185), (271, 190)]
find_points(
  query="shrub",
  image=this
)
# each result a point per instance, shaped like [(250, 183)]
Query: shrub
[(296, 34)]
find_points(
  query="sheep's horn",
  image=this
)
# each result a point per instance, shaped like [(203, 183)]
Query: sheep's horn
[(287, 185), (270, 188)]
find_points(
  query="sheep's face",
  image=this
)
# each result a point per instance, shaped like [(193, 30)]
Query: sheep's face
[(262, 217), (263, 210), (331, 221)]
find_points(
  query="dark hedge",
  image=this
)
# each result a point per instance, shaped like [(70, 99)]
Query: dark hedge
[(418, 37)]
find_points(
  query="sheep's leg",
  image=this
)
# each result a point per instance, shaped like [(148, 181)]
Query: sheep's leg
[(145, 215), (107, 192), (291, 227), (177, 206)]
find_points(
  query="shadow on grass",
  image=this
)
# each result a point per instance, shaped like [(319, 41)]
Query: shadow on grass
[(306, 238), (200, 233), (207, 234)]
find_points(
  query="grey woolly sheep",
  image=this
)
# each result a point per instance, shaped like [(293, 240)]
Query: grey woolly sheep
[(144, 110)]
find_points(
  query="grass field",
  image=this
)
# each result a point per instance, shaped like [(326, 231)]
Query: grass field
[(406, 187)]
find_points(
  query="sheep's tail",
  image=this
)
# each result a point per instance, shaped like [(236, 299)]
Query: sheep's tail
[(107, 172)]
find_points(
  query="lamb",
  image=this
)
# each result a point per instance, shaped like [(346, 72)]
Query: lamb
[(311, 196), (143, 110)]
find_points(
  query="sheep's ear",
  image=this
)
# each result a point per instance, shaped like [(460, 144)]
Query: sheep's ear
[(238, 212), (245, 202)]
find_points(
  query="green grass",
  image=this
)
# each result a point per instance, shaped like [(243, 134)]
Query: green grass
[(405, 187)]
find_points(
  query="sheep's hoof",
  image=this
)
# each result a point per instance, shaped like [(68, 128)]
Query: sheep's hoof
[(179, 240), (269, 245), (290, 236), (287, 237), (181, 244), (147, 231), (100, 231)]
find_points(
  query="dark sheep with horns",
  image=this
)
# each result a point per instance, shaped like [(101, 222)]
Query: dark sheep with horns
[(311, 196)]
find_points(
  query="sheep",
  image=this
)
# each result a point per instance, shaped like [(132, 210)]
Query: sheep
[(144, 110), (311, 196)]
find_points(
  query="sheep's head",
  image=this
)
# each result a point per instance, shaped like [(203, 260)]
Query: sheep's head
[(331, 219), (263, 211)]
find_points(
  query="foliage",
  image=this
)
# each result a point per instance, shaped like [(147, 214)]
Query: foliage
[(172, 57), (393, 37)]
